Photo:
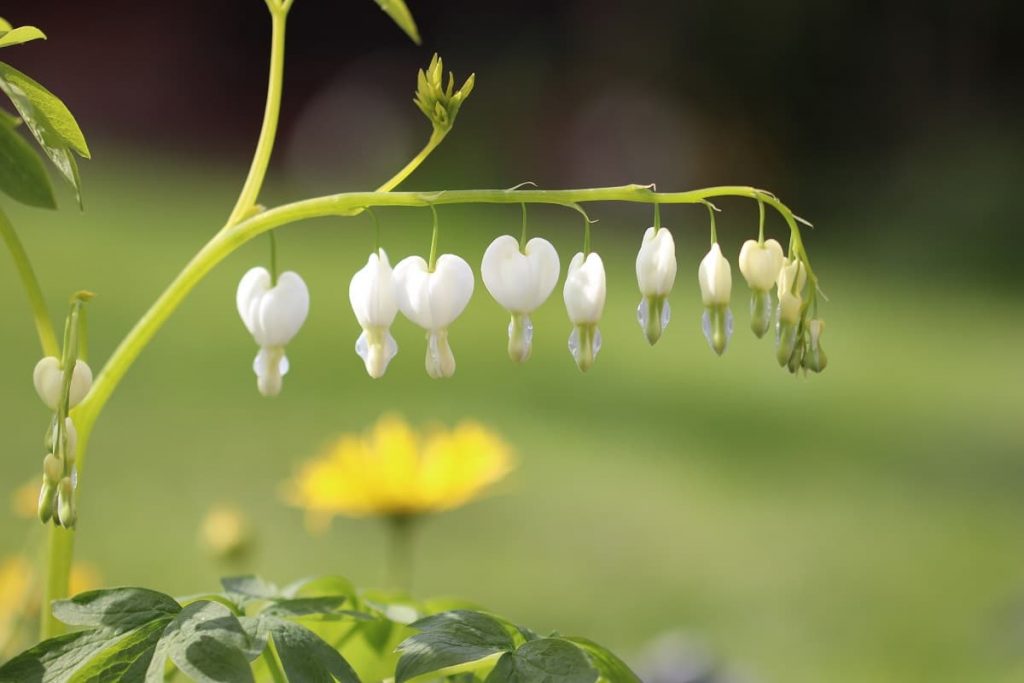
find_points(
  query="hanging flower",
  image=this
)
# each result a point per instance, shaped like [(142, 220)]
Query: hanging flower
[(520, 281), (655, 273), (394, 471), (760, 265), (374, 301), (49, 382), (273, 314), (814, 357), (433, 300), (715, 278), (788, 328), (584, 295)]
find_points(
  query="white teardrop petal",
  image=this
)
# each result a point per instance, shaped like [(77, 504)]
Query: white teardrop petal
[(253, 285), (282, 310)]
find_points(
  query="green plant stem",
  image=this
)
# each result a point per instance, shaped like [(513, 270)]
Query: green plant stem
[(401, 530), (271, 114), (41, 316), (59, 550), (269, 658)]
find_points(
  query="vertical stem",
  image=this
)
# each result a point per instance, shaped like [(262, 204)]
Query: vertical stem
[(400, 551), (44, 325), (273, 258), (433, 242), (265, 145), (59, 550), (269, 658), (522, 237)]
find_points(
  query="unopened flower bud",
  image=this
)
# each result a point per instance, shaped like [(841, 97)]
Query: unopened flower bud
[(792, 278), (584, 295), (49, 382), (814, 358), (53, 470), (47, 499), (66, 503), (655, 274)]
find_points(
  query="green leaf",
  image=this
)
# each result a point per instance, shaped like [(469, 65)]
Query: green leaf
[(207, 643), (5, 25), (121, 608), (401, 15), (127, 660), (546, 660), (42, 111), (54, 660), (22, 175), (250, 587), (450, 639), (303, 607), (611, 667), (50, 122), (321, 586), (17, 36), (305, 657)]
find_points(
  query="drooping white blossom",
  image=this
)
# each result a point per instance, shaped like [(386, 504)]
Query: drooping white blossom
[(655, 274), (433, 300), (520, 281), (792, 280), (373, 295), (584, 295), (715, 278), (49, 382), (760, 265), (273, 314)]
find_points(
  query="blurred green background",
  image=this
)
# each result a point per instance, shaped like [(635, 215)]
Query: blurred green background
[(864, 525)]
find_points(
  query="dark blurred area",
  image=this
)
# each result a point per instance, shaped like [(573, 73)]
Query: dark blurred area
[(886, 114)]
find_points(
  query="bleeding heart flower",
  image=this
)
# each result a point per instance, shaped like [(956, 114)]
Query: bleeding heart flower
[(49, 382), (374, 300), (656, 274), (760, 265), (715, 278), (520, 281), (433, 300), (584, 295), (273, 314)]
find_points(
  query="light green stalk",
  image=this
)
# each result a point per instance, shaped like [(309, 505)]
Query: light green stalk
[(41, 316)]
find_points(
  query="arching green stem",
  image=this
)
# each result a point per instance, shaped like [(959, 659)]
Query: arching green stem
[(41, 316)]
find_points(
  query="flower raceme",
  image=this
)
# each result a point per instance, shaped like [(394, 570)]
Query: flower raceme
[(520, 280), (374, 300), (584, 295), (433, 299), (273, 313), (396, 471), (715, 278), (655, 274)]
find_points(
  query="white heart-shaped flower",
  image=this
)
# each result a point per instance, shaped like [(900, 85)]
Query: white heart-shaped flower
[(715, 278), (761, 263), (585, 287), (273, 314), (433, 300), (656, 263), (374, 300), (520, 280), (792, 273), (49, 382)]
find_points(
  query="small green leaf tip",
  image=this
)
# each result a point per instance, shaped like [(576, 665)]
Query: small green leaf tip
[(438, 102), (16, 36), (401, 15)]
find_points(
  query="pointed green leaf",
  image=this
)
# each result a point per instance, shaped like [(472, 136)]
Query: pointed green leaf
[(303, 607), (54, 660), (250, 586), (43, 112), (305, 657), (5, 25), (127, 660), (22, 175), (545, 660), (121, 608), (207, 643), (401, 15), (17, 36), (450, 639), (611, 667)]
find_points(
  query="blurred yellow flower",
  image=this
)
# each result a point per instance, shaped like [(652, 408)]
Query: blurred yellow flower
[(25, 499), (393, 471), (15, 584), (225, 533)]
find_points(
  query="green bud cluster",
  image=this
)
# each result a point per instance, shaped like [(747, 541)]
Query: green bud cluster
[(438, 102), (797, 335)]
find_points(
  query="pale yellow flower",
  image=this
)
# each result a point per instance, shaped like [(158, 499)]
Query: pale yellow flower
[(224, 532), (393, 471), (25, 499), (15, 585)]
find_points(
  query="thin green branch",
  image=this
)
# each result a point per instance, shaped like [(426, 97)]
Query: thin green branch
[(41, 316)]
